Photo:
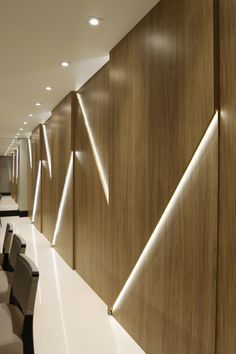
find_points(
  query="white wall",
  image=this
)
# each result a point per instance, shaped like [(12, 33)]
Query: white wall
[(23, 175), (5, 173)]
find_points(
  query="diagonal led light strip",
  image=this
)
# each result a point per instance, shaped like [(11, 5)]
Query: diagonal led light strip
[(17, 164), (63, 199), (30, 152), (95, 151), (47, 150), (192, 165), (36, 196)]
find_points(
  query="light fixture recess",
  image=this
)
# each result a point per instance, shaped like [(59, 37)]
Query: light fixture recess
[(65, 64), (48, 88), (94, 21), (38, 104)]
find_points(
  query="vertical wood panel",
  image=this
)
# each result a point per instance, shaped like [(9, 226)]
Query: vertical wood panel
[(48, 204), (226, 325), (60, 137), (161, 107), (36, 157), (93, 240)]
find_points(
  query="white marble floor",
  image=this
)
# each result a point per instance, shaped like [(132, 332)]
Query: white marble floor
[(7, 203), (69, 317)]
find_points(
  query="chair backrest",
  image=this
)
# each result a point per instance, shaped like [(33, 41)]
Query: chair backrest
[(23, 294), (24, 284), (18, 246), (8, 239)]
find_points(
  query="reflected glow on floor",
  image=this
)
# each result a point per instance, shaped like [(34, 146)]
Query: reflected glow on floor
[(69, 318)]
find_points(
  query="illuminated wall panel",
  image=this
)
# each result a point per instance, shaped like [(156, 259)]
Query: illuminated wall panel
[(92, 234), (57, 181)]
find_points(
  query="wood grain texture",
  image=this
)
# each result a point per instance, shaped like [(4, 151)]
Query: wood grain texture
[(170, 307), (93, 240), (161, 106), (226, 324), (49, 212), (36, 157), (60, 136)]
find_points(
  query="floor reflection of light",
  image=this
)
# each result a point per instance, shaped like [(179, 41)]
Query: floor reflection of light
[(60, 300), (211, 130), (36, 261)]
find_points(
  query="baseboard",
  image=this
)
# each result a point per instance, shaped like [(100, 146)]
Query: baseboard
[(9, 213), (5, 194), (23, 213)]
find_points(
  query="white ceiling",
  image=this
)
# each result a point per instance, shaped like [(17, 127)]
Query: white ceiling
[(35, 36)]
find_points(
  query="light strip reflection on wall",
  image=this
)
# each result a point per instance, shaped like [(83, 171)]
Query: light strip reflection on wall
[(63, 198), (30, 152), (36, 195), (192, 165), (13, 166), (47, 150), (95, 151)]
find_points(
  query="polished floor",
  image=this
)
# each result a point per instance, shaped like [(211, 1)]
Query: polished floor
[(8, 204), (69, 317)]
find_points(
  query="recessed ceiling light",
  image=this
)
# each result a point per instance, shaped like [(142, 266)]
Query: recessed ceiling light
[(94, 21), (30, 115), (38, 104), (16, 137), (21, 129), (25, 123), (65, 64), (18, 133), (48, 88)]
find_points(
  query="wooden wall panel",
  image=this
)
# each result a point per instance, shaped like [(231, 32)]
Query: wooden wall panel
[(160, 109), (36, 157), (170, 306), (93, 240), (49, 212), (60, 136), (226, 325)]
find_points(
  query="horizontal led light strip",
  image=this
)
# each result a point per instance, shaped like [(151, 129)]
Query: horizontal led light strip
[(95, 151), (30, 152), (192, 165), (37, 189), (47, 150), (63, 199)]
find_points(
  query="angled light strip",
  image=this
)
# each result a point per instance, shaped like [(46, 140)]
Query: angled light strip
[(36, 195), (47, 150), (7, 150), (63, 198), (13, 166), (30, 152), (17, 164), (192, 165), (95, 151)]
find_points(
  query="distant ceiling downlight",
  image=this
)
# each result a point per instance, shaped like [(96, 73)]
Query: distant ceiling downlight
[(94, 21)]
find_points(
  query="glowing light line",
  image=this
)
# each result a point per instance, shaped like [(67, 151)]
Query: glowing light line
[(63, 199), (192, 165), (47, 150), (95, 151), (30, 152), (36, 196)]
